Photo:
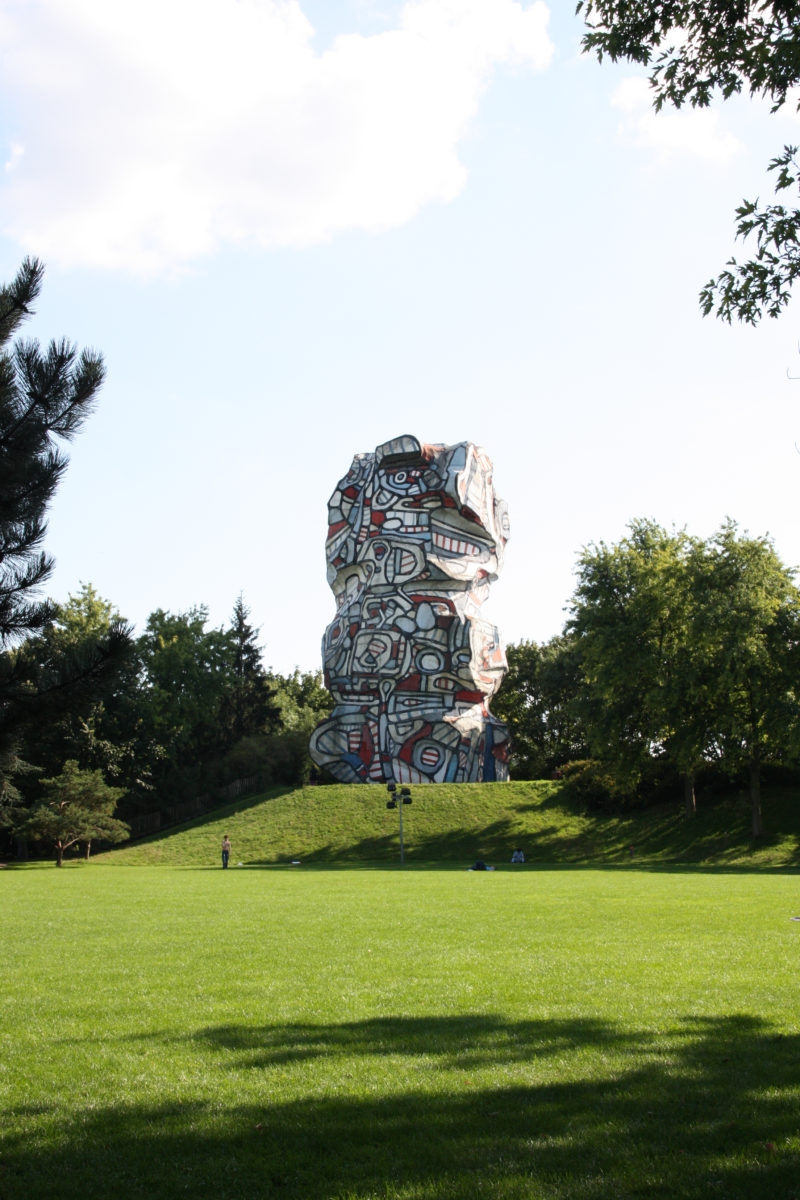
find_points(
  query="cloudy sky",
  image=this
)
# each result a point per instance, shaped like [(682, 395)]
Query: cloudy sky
[(298, 228)]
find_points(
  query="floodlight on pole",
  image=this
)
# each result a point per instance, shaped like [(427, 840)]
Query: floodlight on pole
[(397, 800)]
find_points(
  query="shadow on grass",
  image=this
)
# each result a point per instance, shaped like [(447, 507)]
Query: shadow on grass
[(591, 1110), (454, 844), (549, 845), (494, 842)]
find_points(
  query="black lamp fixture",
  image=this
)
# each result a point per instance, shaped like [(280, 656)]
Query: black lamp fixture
[(396, 800)]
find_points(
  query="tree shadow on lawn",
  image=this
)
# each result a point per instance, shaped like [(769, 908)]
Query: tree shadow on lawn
[(709, 1110), (547, 846), (496, 842)]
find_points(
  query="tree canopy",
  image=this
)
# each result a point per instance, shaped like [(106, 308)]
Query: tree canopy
[(91, 727), (694, 50), (538, 702), (77, 806), (187, 711), (751, 627), (689, 654), (633, 614)]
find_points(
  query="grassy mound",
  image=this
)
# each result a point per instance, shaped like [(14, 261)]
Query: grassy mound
[(455, 824)]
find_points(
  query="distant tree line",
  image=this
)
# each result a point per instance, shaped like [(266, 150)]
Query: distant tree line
[(680, 659), (183, 711)]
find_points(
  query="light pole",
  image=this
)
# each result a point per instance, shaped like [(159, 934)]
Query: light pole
[(397, 800)]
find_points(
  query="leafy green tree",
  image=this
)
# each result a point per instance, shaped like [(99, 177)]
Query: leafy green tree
[(632, 615), (77, 807), (43, 687), (101, 726), (695, 49), (690, 652), (538, 701), (279, 752), (763, 284), (186, 678), (302, 699), (749, 622), (214, 711), (85, 616)]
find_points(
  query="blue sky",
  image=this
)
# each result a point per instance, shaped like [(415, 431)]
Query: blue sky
[(298, 229)]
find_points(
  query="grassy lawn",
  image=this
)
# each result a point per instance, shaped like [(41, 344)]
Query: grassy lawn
[(329, 1034), (457, 823)]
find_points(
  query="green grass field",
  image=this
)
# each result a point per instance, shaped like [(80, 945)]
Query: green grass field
[(329, 1034)]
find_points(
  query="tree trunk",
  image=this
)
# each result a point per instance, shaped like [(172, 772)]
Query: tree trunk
[(755, 796), (689, 798), (88, 849), (59, 855)]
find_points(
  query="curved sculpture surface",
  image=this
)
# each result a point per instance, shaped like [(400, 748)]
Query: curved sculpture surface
[(416, 535)]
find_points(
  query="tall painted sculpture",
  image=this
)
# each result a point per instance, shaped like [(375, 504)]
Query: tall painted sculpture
[(416, 536)]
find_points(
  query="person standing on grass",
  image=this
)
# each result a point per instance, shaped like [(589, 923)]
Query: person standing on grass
[(226, 851)]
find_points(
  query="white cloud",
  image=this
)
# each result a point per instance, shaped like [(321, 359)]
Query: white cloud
[(16, 152), (687, 131), (156, 131)]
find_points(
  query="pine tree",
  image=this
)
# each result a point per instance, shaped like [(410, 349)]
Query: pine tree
[(250, 706), (78, 806), (45, 396)]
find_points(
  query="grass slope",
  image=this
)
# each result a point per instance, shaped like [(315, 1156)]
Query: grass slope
[(455, 824), (385, 1035)]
